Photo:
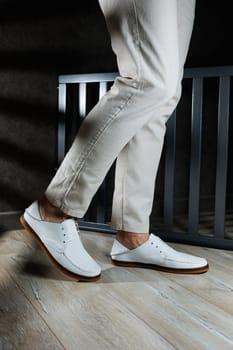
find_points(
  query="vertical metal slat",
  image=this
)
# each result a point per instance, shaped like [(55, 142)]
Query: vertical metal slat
[(61, 122), (222, 155), (82, 103), (195, 166), (102, 88), (169, 173)]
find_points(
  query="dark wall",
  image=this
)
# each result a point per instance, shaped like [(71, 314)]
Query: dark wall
[(37, 43), (41, 39), (212, 35)]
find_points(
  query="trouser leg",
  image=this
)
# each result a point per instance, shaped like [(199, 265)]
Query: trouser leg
[(138, 162), (145, 39)]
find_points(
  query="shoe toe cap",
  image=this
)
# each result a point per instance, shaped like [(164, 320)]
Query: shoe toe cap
[(86, 268), (187, 261)]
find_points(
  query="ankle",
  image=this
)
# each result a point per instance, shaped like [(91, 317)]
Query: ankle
[(51, 213), (131, 240)]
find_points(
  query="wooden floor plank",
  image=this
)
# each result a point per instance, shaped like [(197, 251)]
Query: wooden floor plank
[(82, 315), (174, 323), (127, 309), (20, 325), (209, 316), (85, 316)]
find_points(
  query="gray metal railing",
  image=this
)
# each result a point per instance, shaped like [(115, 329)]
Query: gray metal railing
[(197, 75)]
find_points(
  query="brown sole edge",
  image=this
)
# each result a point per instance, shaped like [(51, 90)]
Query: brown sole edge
[(32, 234), (161, 268)]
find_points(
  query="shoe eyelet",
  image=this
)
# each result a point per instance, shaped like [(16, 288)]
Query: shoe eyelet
[(64, 235), (152, 243), (156, 246), (64, 241), (62, 228), (160, 251)]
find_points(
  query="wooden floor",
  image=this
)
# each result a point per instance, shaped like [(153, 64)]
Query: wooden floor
[(127, 309)]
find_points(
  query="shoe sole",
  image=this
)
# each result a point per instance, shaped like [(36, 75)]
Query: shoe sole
[(77, 277), (198, 270)]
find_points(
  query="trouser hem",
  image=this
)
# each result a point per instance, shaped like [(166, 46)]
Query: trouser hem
[(77, 213), (134, 228)]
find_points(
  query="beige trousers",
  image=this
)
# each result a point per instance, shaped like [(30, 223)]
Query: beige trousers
[(150, 39)]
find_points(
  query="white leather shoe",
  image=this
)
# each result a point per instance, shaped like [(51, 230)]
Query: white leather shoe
[(156, 254), (62, 244)]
